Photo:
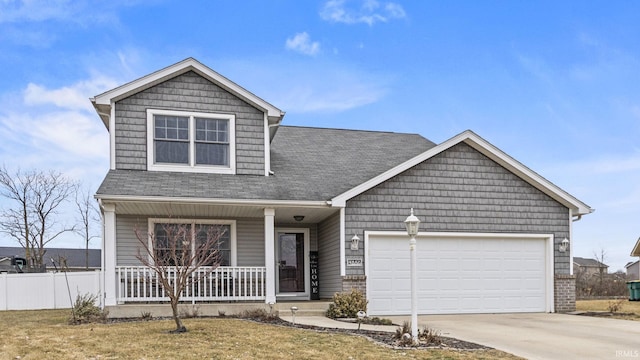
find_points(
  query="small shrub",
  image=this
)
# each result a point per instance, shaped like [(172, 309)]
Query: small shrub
[(426, 336), (222, 313), (401, 330), (347, 305), (616, 305), (429, 336), (376, 321), (258, 314), (146, 315), (85, 310)]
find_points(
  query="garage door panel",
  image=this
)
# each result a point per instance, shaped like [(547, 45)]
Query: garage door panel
[(458, 275)]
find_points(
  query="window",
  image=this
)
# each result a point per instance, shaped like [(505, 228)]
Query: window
[(165, 230), (191, 142)]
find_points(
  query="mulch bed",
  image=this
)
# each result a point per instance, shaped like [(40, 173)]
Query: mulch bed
[(381, 337)]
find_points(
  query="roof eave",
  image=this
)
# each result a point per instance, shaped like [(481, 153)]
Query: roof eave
[(636, 249), (102, 102)]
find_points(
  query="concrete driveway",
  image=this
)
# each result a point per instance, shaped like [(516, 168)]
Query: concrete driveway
[(542, 336)]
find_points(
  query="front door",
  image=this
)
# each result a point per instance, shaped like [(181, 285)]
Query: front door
[(291, 261)]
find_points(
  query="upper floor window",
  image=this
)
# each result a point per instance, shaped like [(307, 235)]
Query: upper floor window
[(189, 141)]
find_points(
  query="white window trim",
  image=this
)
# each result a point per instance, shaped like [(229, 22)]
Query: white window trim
[(191, 167), (193, 222)]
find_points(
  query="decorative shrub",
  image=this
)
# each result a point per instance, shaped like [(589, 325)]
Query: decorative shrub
[(347, 305), (85, 310), (426, 336)]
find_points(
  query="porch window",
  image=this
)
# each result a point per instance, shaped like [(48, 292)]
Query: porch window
[(190, 141), (164, 229)]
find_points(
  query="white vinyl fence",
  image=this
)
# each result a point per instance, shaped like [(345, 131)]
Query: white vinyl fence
[(46, 290)]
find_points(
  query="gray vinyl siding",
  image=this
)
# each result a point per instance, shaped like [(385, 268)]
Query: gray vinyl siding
[(250, 242), (459, 190), (187, 92), (127, 243), (329, 256)]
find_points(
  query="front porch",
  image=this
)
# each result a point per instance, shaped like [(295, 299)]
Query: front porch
[(272, 254), (224, 283)]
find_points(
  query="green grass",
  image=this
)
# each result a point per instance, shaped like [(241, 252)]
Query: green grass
[(46, 335)]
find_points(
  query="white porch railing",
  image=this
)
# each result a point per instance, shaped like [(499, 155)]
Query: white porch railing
[(225, 283)]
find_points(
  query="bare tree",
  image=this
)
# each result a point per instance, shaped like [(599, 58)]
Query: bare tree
[(33, 221), (88, 215), (174, 253)]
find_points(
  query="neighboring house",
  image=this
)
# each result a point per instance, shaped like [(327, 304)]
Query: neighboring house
[(75, 258), (188, 145), (633, 270), (589, 267)]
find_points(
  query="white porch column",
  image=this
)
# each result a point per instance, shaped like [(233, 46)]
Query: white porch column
[(270, 255), (109, 254)]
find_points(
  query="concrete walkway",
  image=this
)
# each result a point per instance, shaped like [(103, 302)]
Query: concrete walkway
[(531, 336)]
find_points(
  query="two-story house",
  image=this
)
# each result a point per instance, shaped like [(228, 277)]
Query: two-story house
[(188, 145)]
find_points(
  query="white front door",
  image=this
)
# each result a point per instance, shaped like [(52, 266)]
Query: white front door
[(292, 262)]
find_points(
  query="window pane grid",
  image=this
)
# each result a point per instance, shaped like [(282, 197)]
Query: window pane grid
[(212, 131), (191, 140)]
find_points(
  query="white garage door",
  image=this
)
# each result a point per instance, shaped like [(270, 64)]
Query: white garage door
[(459, 274)]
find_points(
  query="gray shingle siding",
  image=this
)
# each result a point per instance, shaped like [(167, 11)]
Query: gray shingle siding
[(458, 190), (329, 256), (187, 92)]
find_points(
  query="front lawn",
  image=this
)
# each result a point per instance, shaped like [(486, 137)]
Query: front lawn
[(629, 310), (45, 334)]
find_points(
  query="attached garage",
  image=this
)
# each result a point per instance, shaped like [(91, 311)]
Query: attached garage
[(460, 273)]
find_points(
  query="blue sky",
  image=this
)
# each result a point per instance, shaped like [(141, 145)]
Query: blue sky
[(554, 84)]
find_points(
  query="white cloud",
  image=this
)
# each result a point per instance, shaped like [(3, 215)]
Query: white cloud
[(56, 129), (76, 11), (302, 43), (369, 12)]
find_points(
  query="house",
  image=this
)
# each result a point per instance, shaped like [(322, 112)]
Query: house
[(633, 270), (310, 211), (75, 259), (588, 267)]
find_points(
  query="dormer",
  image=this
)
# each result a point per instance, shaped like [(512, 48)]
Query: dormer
[(188, 118)]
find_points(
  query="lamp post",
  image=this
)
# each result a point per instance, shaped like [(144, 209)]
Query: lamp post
[(412, 223)]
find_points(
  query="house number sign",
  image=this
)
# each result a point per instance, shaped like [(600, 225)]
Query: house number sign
[(354, 261)]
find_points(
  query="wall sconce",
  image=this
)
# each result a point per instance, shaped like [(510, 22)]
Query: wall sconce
[(564, 245), (354, 242), (298, 217)]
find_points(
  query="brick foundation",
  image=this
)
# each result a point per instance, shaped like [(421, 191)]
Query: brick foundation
[(565, 293), (358, 282)]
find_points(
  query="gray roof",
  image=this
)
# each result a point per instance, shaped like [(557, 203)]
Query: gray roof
[(309, 164), (588, 262), (75, 257)]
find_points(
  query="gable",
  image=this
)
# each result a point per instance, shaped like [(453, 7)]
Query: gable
[(104, 101), (577, 207), (460, 189), (187, 92)]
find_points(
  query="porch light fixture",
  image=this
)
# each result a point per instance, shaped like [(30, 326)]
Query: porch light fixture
[(298, 217), (412, 223), (564, 245), (354, 242)]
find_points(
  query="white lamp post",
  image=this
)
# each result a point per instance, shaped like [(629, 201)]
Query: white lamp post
[(412, 223)]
